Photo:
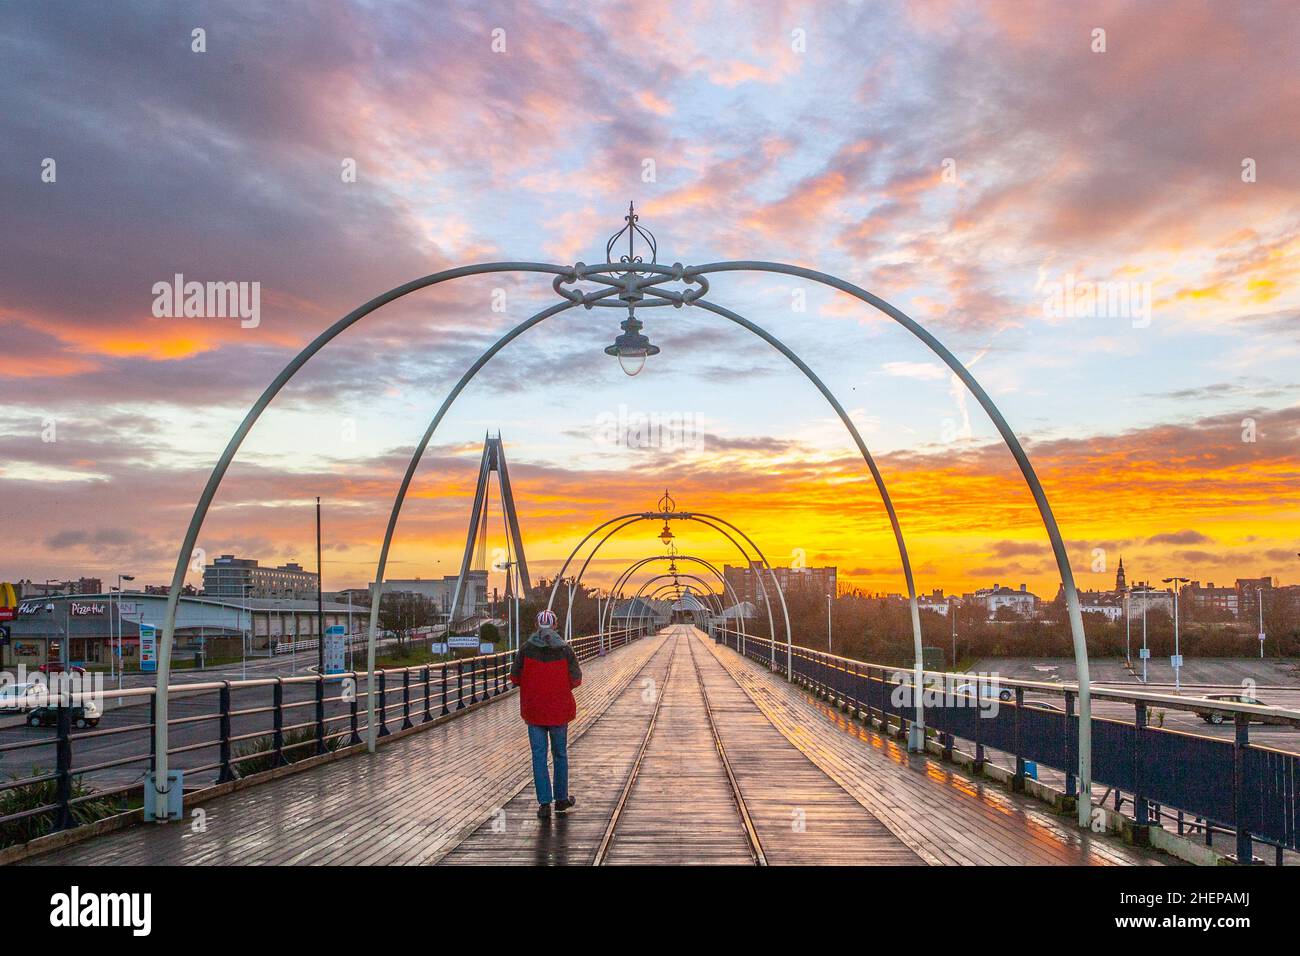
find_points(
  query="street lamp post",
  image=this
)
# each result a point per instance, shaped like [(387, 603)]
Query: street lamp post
[(828, 624), (1259, 594), (1178, 658), (1146, 651), (952, 613), (1128, 627)]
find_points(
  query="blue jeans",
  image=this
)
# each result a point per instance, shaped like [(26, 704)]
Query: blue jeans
[(559, 739)]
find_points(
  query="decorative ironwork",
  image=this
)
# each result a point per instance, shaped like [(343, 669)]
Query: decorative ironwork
[(632, 230)]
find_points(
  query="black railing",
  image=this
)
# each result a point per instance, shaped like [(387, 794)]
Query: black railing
[(1224, 786), (304, 716)]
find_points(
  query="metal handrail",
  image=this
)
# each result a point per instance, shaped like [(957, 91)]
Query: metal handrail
[(1198, 704), (841, 679), (413, 694)]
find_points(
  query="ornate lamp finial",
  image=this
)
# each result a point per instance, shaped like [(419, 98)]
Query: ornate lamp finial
[(633, 229)]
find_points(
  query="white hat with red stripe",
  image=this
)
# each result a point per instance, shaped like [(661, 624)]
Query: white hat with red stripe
[(546, 618)]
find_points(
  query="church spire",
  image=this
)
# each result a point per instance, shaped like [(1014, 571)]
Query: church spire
[(1120, 582)]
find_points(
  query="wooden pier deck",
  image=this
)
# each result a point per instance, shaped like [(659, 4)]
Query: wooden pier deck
[(682, 752)]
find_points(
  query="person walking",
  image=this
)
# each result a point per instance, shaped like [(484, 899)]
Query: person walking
[(546, 671)]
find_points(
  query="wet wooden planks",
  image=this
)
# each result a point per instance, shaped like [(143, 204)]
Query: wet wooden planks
[(599, 764), (681, 809), (802, 816), (409, 803), (945, 816)]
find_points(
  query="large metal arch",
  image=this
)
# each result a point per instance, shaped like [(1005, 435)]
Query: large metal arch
[(637, 565), (634, 517), (667, 585), (703, 518), (1022, 460), (629, 288)]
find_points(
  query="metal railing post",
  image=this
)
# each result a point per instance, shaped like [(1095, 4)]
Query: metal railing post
[(1071, 744), (382, 714), (445, 709), (427, 716), (1241, 741), (1140, 814), (227, 772), (320, 713), (277, 724), (353, 708), (406, 699), (460, 685), (63, 767), (1018, 782)]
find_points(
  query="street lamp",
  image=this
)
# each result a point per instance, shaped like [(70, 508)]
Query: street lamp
[(1178, 658), (631, 348)]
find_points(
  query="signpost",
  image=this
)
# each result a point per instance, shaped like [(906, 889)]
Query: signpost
[(334, 649), (148, 648), (462, 641)]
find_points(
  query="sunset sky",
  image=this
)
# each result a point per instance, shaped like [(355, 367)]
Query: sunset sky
[(964, 161)]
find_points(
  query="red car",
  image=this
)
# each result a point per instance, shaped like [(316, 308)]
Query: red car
[(56, 667)]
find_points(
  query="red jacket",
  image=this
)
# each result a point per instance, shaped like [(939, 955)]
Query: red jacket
[(546, 671)]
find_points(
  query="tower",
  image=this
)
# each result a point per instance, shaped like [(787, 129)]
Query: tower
[(1120, 582), (494, 459)]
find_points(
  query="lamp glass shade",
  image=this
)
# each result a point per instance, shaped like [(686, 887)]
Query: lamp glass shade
[(631, 362)]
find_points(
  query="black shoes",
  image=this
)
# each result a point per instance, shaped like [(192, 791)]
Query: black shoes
[(543, 811), (565, 805)]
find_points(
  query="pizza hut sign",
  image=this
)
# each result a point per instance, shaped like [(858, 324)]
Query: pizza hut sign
[(85, 610)]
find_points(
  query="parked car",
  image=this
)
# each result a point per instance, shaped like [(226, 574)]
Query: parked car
[(1045, 705), (85, 714), (1212, 718), (986, 691), (20, 698), (56, 667)]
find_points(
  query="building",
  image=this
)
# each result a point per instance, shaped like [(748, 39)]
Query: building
[(1248, 594), (90, 626), (1107, 604), (30, 589), (1143, 598), (1021, 601), (229, 577), (744, 581), (934, 601), (441, 592), (1220, 601)]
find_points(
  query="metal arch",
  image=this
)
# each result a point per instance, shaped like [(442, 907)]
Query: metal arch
[(917, 643), (637, 565), (655, 516), (653, 597), (710, 596), (232, 447), (628, 572), (465, 378), (704, 518), (708, 606), (1026, 470), (630, 286)]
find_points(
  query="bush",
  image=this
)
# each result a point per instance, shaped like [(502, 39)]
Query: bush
[(36, 795), (261, 756)]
